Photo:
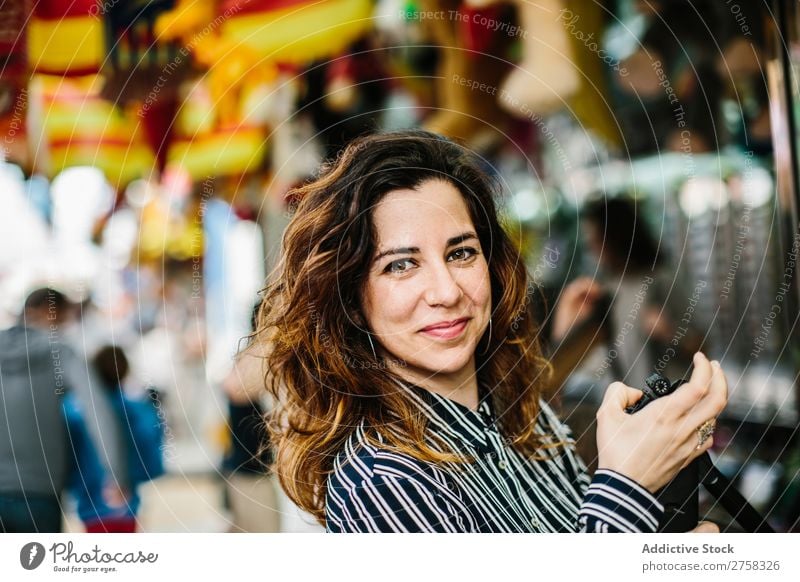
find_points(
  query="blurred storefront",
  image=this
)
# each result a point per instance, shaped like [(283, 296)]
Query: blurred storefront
[(151, 147)]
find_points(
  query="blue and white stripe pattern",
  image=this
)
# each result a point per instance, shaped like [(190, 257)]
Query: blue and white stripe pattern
[(376, 490)]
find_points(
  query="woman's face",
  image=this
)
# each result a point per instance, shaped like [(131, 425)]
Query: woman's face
[(427, 297)]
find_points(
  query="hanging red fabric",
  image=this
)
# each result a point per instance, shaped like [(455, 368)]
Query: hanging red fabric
[(476, 27)]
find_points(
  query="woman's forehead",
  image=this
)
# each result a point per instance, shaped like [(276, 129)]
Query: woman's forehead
[(431, 198), (435, 210)]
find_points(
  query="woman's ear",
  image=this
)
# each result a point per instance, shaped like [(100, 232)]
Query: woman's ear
[(356, 309), (357, 317)]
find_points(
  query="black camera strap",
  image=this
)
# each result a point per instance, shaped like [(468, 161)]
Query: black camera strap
[(729, 497), (680, 496)]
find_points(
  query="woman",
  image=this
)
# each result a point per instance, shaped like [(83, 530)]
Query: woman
[(410, 382)]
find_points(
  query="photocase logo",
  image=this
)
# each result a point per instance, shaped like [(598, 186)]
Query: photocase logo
[(31, 555)]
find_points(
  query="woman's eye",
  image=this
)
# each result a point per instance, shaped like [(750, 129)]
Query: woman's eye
[(462, 254), (399, 266)]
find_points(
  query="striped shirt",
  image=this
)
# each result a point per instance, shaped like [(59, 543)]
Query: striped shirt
[(372, 489)]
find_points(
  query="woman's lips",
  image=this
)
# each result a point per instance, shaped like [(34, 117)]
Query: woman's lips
[(446, 331)]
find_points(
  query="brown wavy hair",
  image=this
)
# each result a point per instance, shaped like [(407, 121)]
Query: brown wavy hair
[(320, 367)]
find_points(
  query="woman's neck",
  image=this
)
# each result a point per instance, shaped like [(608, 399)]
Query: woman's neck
[(461, 386)]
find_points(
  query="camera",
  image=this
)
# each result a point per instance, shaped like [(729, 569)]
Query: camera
[(656, 386), (680, 497)]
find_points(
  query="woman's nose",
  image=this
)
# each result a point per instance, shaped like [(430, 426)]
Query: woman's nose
[(442, 288)]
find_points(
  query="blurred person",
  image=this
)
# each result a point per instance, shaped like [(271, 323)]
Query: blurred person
[(251, 488), (132, 453), (627, 304), (636, 294), (37, 372), (407, 378), (85, 331), (168, 356)]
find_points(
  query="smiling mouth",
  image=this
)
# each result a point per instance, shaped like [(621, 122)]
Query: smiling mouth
[(446, 330)]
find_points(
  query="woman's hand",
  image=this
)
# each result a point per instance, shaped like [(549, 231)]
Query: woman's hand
[(245, 383), (655, 324), (654, 444), (575, 304), (705, 527)]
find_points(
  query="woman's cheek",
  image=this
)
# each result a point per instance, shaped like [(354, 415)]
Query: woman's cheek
[(393, 305), (477, 286)]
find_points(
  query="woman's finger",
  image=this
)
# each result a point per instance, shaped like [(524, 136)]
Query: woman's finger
[(705, 527), (584, 288), (696, 444), (701, 375), (719, 381), (687, 396), (618, 397), (714, 402)]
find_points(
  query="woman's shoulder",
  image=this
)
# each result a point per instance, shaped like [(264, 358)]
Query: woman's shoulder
[(366, 457), (549, 423), (374, 488)]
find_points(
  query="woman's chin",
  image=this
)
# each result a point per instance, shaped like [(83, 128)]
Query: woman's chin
[(443, 365)]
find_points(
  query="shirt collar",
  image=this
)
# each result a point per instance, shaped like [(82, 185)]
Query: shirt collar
[(454, 418)]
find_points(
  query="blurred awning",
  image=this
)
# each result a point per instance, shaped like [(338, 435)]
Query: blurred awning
[(71, 125)]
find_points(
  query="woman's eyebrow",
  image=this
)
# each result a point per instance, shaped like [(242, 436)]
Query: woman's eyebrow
[(461, 238), (411, 250), (397, 251)]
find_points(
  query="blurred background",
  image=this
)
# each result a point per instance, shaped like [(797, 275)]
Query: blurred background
[(647, 152)]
